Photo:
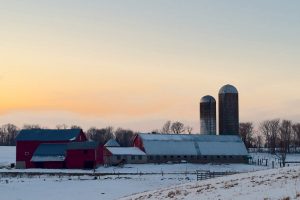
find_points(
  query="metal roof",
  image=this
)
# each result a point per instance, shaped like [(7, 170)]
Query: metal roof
[(184, 144), (228, 89), (49, 152), (82, 145), (48, 135), (126, 151), (112, 143)]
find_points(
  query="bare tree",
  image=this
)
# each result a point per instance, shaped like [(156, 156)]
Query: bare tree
[(189, 129), (246, 132), (166, 127), (8, 133), (296, 131), (75, 127), (32, 126), (285, 135), (270, 129), (124, 137), (100, 135), (177, 127), (61, 126)]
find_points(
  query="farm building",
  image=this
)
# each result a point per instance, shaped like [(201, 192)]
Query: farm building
[(115, 155), (161, 148), (68, 148)]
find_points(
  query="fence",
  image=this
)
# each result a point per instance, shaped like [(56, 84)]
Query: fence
[(203, 175)]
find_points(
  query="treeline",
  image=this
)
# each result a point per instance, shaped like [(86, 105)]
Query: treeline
[(272, 134), (275, 134), (124, 137)]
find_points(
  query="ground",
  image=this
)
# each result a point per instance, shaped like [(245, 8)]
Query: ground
[(280, 183), (115, 187)]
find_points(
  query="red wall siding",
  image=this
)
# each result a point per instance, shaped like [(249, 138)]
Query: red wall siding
[(81, 137), (76, 158), (138, 142), (26, 146)]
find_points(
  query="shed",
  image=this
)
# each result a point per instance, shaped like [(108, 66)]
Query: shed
[(122, 155)]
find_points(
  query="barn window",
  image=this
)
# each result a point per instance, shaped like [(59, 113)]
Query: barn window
[(230, 156), (172, 157), (205, 157), (224, 157), (165, 157), (26, 153), (192, 157), (140, 157), (218, 156), (150, 157), (157, 157), (178, 156), (185, 156), (119, 157), (132, 157)]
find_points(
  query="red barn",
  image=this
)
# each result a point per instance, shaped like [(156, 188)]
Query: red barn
[(73, 155), (27, 142)]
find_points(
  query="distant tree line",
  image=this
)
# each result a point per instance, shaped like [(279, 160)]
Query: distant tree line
[(276, 135), (124, 137)]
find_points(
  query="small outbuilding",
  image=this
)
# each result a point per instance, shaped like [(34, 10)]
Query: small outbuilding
[(123, 155)]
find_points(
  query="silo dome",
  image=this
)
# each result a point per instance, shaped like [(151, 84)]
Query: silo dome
[(228, 89), (207, 99)]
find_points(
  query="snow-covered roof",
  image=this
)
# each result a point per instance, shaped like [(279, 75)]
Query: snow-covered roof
[(49, 152), (112, 143), (184, 144), (47, 158), (126, 151), (48, 135)]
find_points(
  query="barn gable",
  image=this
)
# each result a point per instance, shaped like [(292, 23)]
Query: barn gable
[(49, 153)]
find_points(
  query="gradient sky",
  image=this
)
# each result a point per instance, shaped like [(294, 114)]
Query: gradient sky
[(138, 63)]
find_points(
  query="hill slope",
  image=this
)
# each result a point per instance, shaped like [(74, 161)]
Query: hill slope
[(281, 183)]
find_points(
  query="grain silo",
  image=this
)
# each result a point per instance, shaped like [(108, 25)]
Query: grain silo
[(208, 115), (228, 110)]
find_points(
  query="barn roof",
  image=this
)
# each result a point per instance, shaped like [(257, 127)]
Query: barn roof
[(48, 135), (184, 144), (82, 145), (112, 143), (125, 151), (49, 152)]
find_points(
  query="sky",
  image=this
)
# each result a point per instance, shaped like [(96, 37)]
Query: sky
[(136, 64)]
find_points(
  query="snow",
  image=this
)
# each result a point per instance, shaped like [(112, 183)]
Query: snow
[(47, 158), (157, 176), (281, 183), (126, 151), (7, 155)]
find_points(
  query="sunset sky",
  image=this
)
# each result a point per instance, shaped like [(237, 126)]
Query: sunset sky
[(136, 64)]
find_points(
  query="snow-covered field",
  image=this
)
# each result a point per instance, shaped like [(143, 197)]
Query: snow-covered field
[(7, 155), (280, 183), (113, 186)]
